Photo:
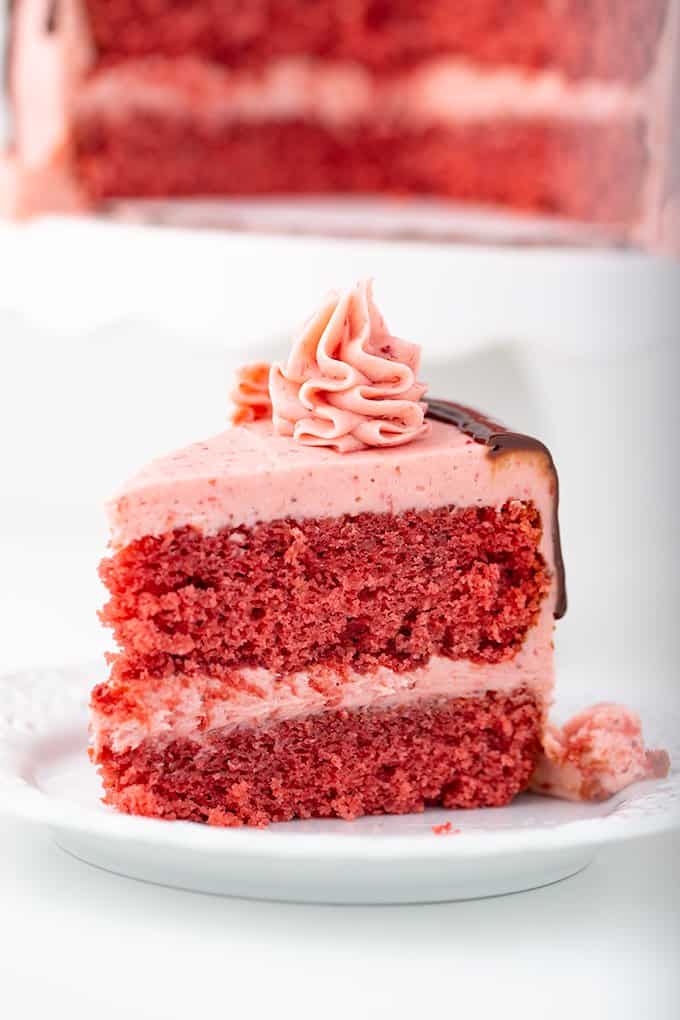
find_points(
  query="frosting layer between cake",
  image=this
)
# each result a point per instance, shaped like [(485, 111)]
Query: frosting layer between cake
[(445, 90), (182, 706)]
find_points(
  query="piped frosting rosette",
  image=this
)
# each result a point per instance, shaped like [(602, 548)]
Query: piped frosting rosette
[(251, 396), (348, 384)]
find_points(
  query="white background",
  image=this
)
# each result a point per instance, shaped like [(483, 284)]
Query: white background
[(117, 346)]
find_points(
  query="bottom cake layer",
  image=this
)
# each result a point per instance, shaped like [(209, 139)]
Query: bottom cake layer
[(456, 752), (553, 168)]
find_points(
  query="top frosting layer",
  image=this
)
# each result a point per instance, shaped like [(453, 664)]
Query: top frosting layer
[(250, 474), (348, 384)]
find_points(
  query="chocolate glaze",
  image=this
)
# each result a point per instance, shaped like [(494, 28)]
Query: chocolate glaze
[(500, 440), (52, 17)]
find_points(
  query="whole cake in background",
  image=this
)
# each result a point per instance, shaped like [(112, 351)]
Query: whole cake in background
[(562, 109), (343, 605)]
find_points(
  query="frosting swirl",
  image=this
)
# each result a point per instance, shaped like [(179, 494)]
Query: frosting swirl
[(348, 384), (251, 396)]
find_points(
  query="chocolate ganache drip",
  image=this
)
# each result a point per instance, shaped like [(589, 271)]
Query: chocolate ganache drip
[(52, 18), (500, 440)]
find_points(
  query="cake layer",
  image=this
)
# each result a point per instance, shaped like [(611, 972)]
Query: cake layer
[(125, 713), (348, 592), (468, 752), (584, 39), (553, 167)]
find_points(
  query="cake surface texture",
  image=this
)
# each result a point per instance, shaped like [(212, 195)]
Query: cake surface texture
[(523, 106), (343, 608)]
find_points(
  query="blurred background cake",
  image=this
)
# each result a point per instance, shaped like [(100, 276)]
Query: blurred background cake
[(553, 109)]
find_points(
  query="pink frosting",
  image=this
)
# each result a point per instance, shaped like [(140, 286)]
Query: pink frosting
[(251, 396), (348, 384), (443, 90), (595, 755), (181, 705)]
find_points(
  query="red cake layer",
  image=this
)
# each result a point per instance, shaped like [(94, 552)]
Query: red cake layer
[(361, 591), (458, 753), (583, 38), (561, 168)]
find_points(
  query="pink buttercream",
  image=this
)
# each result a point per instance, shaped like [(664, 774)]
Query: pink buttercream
[(443, 90), (251, 396), (180, 706), (348, 383), (595, 755)]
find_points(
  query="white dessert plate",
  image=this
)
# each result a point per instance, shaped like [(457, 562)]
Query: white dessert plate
[(45, 776)]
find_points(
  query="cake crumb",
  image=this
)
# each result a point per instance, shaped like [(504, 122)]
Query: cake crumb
[(445, 829), (596, 754)]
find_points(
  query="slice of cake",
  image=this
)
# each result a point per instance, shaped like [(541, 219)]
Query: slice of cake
[(527, 106), (344, 609)]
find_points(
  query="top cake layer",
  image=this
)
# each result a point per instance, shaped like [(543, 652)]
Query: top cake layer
[(596, 39)]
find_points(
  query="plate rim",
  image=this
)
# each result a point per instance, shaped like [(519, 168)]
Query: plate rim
[(655, 812)]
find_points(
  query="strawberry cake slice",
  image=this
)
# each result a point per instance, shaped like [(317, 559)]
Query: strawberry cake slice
[(344, 608)]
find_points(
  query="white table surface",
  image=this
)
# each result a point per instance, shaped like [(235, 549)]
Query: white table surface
[(81, 943), (77, 943)]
